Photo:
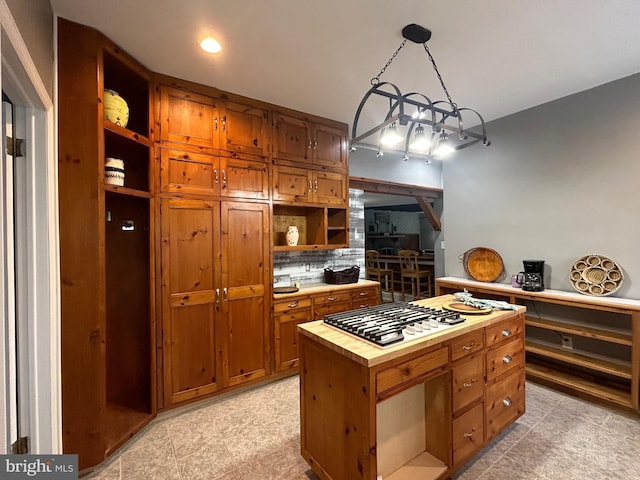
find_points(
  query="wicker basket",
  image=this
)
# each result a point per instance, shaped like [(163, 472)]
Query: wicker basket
[(348, 275)]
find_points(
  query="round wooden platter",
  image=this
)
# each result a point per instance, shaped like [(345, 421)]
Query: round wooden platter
[(460, 307), (483, 264), (285, 289)]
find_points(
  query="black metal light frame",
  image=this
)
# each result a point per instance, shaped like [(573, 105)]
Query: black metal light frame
[(436, 114)]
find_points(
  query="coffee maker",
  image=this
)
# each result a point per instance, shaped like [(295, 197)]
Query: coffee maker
[(532, 279)]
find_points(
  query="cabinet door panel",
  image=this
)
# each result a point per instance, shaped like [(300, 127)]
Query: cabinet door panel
[(189, 173), (291, 184), (286, 336), (190, 275), (245, 276), (244, 178), (190, 238), (244, 129), (329, 147), (190, 366), (188, 118), (293, 137), (330, 188)]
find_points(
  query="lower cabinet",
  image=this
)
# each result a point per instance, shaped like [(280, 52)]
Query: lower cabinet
[(215, 257), (293, 310)]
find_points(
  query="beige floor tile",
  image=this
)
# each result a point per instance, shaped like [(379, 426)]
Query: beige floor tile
[(207, 464)]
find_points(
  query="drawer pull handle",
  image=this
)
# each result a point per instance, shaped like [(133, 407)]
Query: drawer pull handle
[(468, 347), (331, 299), (506, 332), (507, 402), (470, 384), (363, 294), (469, 434), (293, 305), (507, 359)]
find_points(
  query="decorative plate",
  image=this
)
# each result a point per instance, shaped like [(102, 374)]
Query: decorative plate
[(285, 289), (483, 264), (596, 275)]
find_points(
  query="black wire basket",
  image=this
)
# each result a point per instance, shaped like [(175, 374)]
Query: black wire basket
[(348, 275)]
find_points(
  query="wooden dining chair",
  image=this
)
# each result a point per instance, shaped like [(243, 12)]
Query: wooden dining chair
[(376, 272), (410, 270)]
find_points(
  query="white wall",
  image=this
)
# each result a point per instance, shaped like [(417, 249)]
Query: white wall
[(559, 181)]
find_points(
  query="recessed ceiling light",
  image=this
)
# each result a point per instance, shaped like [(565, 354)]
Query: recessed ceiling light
[(210, 45)]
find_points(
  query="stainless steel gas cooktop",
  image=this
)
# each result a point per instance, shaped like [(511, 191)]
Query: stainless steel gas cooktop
[(391, 323)]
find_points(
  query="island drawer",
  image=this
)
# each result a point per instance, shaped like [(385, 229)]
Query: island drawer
[(411, 369), (467, 382), (468, 433), (466, 345), (505, 401), (504, 331), (504, 358)]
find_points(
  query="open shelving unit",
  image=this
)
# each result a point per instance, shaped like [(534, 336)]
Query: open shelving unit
[(600, 359), (319, 228)]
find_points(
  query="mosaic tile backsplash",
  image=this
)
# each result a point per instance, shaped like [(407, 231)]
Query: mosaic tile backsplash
[(308, 267)]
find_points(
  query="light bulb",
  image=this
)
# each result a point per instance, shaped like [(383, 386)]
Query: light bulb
[(391, 136), (420, 141), (444, 147), (210, 45)]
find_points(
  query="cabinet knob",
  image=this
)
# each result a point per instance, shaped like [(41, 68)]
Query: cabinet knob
[(293, 305), (507, 359), (469, 434), (506, 332), (468, 347), (470, 384), (507, 402)]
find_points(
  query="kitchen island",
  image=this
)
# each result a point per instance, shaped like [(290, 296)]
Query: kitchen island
[(418, 409)]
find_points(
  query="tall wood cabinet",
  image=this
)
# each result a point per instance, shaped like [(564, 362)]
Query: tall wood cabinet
[(214, 278), (106, 248), (215, 242)]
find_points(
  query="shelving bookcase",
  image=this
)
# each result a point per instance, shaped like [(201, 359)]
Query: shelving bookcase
[(606, 371)]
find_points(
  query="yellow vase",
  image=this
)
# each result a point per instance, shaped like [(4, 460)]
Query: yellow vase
[(116, 109)]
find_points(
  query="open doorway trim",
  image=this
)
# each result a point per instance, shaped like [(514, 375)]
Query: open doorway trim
[(423, 195)]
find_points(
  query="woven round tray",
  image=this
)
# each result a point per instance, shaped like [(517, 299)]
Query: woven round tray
[(483, 264), (596, 275)]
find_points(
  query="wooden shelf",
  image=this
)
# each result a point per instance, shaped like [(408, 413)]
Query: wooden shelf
[(580, 359), (582, 330), (567, 381), (124, 132), (121, 424), (424, 466), (127, 191)]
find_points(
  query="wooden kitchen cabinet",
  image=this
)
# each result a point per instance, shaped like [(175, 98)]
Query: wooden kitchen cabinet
[(106, 248), (304, 141), (205, 122), (300, 185), (213, 175), (603, 364), (214, 280), (313, 302)]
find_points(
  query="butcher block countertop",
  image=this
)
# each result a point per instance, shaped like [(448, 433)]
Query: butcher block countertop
[(313, 288), (370, 355)]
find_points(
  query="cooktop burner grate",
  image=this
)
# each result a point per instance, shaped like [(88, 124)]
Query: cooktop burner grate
[(391, 323)]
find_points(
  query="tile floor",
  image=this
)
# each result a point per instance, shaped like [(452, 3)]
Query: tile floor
[(254, 435)]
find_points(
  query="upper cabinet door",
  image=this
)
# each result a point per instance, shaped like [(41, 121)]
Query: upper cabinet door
[(243, 129), (240, 178), (293, 139), (188, 118), (329, 147)]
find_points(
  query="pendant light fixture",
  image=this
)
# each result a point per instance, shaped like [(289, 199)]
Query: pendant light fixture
[(413, 124)]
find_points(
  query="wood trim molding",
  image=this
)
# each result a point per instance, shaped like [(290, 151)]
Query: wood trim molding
[(422, 194)]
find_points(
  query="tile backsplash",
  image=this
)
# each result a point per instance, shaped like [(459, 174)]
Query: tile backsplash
[(308, 266)]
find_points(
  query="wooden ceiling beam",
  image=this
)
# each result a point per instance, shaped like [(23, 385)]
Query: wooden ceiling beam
[(393, 188), (431, 214)]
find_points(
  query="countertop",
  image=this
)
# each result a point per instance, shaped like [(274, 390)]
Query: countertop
[(370, 355), (313, 288)]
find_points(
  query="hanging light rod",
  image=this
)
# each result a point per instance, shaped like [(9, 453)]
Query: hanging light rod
[(409, 114)]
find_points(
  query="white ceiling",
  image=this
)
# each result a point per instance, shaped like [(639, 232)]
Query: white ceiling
[(496, 56)]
